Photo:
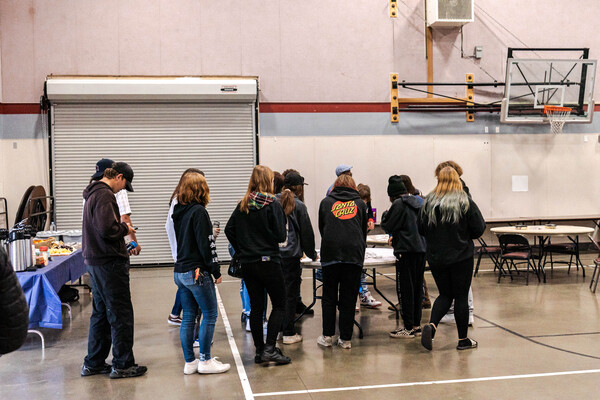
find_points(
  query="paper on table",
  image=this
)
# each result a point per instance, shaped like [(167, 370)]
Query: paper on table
[(520, 183)]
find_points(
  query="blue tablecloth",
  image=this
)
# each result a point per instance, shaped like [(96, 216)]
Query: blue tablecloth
[(41, 289)]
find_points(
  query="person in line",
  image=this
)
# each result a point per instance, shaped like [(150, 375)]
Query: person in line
[(107, 260), (449, 317), (449, 221), (255, 229), (300, 306), (401, 223), (364, 295), (300, 239), (14, 312), (196, 266), (122, 201), (343, 227)]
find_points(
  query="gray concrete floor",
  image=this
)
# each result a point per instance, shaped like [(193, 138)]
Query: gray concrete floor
[(529, 338)]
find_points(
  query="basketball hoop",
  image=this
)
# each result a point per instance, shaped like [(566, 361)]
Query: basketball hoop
[(557, 117)]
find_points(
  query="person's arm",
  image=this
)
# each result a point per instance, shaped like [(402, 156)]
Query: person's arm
[(170, 228), (105, 221), (370, 217), (307, 236), (475, 220), (230, 229), (205, 241), (277, 221), (322, 216), (127, 220)]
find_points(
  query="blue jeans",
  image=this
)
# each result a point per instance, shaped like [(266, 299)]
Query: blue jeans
[(177, 305), (193, 295)]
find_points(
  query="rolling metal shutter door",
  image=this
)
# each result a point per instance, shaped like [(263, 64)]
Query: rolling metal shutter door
[(159, 141)]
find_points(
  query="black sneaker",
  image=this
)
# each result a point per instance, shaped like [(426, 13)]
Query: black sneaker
[(131, 372), (89, 371), (466, 344), (428, 332), (272, 353), (258, 359)]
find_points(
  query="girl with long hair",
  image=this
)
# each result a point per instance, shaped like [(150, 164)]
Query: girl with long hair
[(300, 239), (255, 229), (343, 227), (450, 221), (194, 270)]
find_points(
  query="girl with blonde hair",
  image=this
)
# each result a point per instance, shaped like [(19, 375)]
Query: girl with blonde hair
[(449, 221), (255, 229)]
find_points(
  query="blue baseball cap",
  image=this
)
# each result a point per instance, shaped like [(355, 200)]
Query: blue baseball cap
[(101, 166), (340, 169)]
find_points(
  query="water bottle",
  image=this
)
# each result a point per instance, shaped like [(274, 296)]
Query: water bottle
[(52, 227), (131, 245)]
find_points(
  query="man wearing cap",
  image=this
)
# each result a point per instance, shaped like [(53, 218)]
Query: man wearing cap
[(122, 201), (107, 260)]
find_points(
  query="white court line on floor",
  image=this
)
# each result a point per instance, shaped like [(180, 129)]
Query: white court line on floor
[(407, 384), (234, 350)]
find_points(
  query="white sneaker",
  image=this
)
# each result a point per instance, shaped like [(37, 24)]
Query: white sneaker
[(344, 344), (196, 343), (325, 341), (212, 366), (366, 300), (292, 339), (191, 367), (448, 319), (248, 325)]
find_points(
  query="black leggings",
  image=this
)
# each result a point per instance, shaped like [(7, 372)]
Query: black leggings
[(340, 288), (259, 276), (409, 287), (292, 275), (453, 282)]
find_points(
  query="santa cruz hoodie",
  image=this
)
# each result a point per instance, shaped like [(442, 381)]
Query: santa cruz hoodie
[(343, 227)]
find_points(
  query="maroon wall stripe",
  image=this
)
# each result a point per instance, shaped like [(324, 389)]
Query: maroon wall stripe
[(19, 108), (34, 108)]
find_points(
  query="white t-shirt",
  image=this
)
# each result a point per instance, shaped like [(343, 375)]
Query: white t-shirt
[(170, 228)]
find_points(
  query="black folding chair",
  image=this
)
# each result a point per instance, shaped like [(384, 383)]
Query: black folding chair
[(570, 249), (596, 273), (514, 250), (493, 252)]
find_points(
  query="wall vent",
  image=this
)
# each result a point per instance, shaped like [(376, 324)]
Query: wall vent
[(449, 13)]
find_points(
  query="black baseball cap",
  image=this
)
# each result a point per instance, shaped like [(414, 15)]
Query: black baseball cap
[(101, 166), (294, 179), (125, 169)]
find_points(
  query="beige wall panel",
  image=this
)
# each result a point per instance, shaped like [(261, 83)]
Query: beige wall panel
[(301, 51), (572, 174), (18, 71), (19, 177), (55, 24), (519, 155), (97, 38), (221, 36), (180, 38), (472, 153), (261, 54), (139, 37)]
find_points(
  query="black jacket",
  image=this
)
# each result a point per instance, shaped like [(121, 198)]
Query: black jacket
[(401, 222), (449, 243), (256, 236), (102, 232), (300, 235), (195, 242), (14, 313), (343, 227)]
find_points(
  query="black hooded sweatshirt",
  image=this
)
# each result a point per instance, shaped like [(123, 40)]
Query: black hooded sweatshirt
[(401, 222), (256, 236), (343, 227), (449, 243), (14, 313), (195, 242), (102, 231), (300, 235)]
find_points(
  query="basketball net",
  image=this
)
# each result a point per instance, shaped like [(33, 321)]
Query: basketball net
[(557, 117)]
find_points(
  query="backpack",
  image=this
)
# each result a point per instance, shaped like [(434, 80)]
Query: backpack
[(68, 294)]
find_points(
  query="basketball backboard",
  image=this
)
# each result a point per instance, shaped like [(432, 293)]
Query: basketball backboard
[(533, 83)]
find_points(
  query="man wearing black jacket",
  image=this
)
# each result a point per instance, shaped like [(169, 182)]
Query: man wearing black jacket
[(107, 259)]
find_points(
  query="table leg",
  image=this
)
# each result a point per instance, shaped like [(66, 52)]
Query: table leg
[(577, 259), (40, 335), (360, 330), (374, 278), (68, 309), (315, 287), (541, 261)]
